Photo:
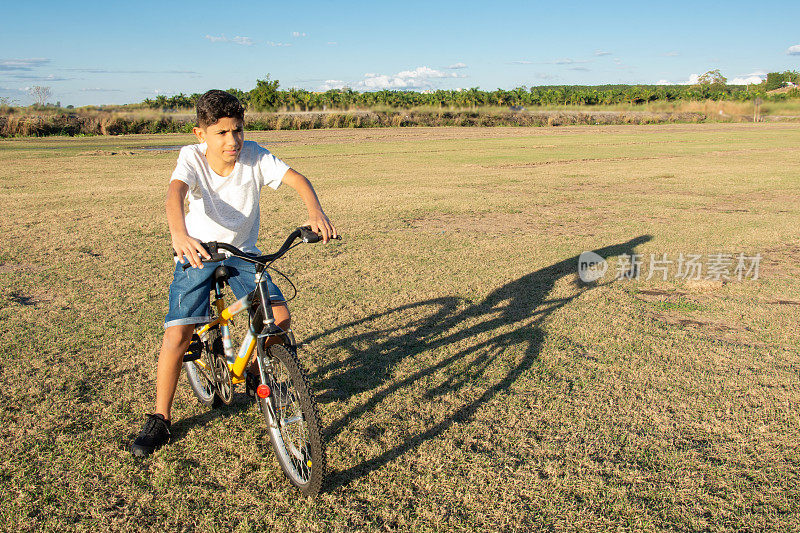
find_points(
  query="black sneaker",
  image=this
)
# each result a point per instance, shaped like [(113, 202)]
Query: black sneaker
[(154, 434)]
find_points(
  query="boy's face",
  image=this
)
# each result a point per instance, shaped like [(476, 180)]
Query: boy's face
[(224, 139)]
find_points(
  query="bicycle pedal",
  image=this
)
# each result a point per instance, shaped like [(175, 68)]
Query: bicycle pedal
[(194, 351), (188, 357)]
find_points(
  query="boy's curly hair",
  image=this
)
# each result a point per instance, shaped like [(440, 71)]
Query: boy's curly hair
[(216, 104)]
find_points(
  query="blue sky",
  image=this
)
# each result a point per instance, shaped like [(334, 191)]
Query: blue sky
[(109, 52)]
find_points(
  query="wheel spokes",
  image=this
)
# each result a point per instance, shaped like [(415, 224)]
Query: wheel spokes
[(203, 371), (291, 422)]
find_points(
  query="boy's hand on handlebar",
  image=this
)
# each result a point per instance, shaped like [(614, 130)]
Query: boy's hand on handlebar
[(190, 248), (319, 223)]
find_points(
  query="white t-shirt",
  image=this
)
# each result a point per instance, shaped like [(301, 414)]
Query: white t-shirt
[(225, 209)]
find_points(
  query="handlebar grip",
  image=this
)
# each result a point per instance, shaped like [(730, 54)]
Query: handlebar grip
[(308, 235), (210, 247), (214, 258)]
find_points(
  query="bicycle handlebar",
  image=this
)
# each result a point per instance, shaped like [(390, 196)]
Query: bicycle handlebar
[(304, 232)]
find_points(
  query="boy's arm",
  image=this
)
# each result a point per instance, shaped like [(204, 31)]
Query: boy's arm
[(181, 242), (316, 216)]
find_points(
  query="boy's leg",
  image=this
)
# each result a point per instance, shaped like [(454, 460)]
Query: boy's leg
[(188, 306), (156, 430), (280, 312), (170, 360), (283, 319)]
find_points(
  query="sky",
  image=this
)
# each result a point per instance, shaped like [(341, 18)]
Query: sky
[(123, 52)]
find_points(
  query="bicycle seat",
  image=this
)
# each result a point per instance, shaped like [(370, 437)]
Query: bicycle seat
[(221, 273)]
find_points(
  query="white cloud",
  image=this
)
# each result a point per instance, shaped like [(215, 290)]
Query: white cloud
[(750, 79), (560, 61), (244, 41), (384, 82), (332, 84), (297, 34), (693, 79), (601, 53), (12, 89), (419, 78), (578, 68), (671, 54), (22, 64), (794, 50), (99, 90), (273, 43), (457, 66), (29, 77), (114, 71), (331, 43)]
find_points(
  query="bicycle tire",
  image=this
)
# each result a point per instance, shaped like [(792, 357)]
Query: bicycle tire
[(201, 381), (296, 436)]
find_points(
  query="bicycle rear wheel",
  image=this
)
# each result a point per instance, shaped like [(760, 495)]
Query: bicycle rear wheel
[(295, 428)]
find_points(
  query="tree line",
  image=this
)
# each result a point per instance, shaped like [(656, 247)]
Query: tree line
[(267, 96)]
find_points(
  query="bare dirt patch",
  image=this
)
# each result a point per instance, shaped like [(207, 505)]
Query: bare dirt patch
[(493, 224), (659, 157), (6, 268), (657, 292), (704, 286), (719, 331), (106, 152), (784, 302)]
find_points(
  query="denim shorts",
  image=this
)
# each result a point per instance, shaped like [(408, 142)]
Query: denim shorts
[(189, 300)]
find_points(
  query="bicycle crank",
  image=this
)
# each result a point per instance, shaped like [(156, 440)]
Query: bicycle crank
[(222, 379)]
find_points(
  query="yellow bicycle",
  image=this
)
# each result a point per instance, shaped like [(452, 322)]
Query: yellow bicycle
[(214, 368)]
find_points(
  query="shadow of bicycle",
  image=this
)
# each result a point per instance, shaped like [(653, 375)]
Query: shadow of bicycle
[(447, 352)]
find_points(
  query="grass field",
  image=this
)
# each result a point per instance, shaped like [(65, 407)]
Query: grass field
[(467, 379)]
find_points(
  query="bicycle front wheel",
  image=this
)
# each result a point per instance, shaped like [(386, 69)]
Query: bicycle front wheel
[(293, 421)]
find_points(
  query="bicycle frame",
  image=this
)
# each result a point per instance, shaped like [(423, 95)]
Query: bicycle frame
[(282, 393), (237, 362)]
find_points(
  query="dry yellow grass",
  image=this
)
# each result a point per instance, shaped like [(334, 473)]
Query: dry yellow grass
[(467, 380)]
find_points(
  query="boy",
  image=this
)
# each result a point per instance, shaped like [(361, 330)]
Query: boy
[(222, 177)]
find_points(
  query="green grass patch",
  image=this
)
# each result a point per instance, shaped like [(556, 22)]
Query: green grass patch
[(467, 379)]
